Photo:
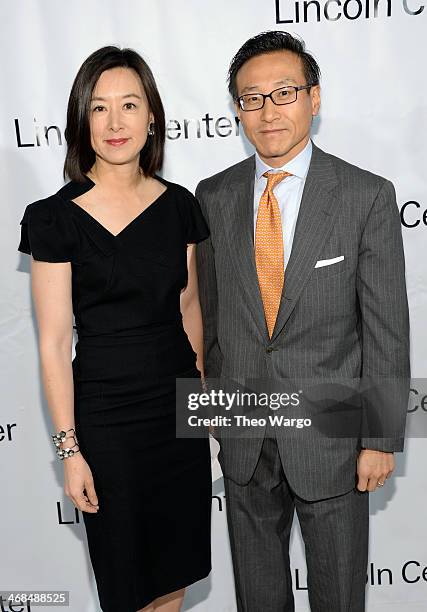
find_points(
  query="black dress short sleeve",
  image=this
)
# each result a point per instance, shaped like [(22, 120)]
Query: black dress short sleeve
[(46, 232), (196, 227)]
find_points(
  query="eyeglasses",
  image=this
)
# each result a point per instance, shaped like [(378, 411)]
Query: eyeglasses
[(283, 95)]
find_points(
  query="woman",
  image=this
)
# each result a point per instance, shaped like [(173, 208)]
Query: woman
[(111, 247)]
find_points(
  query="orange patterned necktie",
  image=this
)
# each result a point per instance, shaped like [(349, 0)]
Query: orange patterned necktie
[(269, 254)]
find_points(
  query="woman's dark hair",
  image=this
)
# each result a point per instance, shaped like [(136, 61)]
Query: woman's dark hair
[(267, 42), (80, 156)]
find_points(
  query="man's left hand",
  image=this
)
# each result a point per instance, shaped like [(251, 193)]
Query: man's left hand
[(373, 468)]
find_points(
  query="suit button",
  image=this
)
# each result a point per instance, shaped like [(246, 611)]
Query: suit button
[(269, 349)]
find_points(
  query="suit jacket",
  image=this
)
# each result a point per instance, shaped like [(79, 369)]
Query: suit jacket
[(348, 320)]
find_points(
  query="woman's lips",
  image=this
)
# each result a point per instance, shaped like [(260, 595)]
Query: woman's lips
[(117, 142)]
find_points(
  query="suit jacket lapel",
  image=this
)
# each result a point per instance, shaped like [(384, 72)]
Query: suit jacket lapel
[(238, 214), (319, 206)]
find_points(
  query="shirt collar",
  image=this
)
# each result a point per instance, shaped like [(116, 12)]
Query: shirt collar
[(298, 166)]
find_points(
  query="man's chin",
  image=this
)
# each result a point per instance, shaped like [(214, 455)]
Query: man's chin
[(277, 156), (270, 156)]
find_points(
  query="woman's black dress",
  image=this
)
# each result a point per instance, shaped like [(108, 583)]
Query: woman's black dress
[(151, 535)]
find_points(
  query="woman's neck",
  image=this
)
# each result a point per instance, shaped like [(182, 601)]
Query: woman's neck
[(117, 177)]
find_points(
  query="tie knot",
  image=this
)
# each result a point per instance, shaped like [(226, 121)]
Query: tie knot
[(273, 178)]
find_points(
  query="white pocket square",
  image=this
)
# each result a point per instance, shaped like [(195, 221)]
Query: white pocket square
[(328, 262)]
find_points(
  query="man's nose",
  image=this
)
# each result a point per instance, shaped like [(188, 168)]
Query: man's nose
[(269, 111)]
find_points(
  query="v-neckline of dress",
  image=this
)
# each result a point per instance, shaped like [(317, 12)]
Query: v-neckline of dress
[(126, 227)]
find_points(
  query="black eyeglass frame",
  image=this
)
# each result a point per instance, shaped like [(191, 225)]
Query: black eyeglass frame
[(265, 96)]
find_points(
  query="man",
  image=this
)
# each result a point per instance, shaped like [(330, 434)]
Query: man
[(302, 277)]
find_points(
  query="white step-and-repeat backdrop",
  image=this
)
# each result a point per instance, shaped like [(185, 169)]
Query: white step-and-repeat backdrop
[(374, 113)]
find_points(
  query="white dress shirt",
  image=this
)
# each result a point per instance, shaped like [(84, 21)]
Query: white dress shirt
[(288, 192)]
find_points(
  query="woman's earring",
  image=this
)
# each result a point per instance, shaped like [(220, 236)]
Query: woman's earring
[(151, 129)]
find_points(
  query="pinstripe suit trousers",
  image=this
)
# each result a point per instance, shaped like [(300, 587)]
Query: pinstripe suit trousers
[(335, 534)]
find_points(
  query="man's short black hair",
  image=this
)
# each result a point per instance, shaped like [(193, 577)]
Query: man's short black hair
[(267, 42)]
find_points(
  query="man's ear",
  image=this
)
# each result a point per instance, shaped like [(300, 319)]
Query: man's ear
[(315, 100), (238, 109)]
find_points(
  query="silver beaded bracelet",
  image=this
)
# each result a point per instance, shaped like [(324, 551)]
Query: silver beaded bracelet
[(60, 437), (64, 453)]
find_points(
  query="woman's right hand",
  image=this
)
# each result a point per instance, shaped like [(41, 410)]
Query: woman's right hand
[(79, 485)]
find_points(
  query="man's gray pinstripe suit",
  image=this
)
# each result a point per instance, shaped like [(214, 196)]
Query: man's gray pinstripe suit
[(348, 320)]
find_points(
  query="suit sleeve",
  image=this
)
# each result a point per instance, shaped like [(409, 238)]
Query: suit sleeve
[(381, 291), (208, 295)]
